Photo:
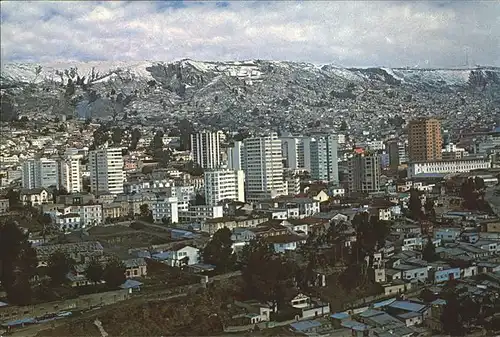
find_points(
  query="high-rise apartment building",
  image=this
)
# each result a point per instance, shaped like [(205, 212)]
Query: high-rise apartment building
[(263, 168), (106, 170), (364, 172), (224, 184), (205, 149), (424, 139), (40, 172), (235, 156), (296, 152), (69, 173), (324, 160), (397, 152)]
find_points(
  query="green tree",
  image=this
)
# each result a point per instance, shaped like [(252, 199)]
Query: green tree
[(146, 214), (94, 271), (451, 318), (135, 137), (13, 197), (219, 251), (267, 276), (429, 208), (429, 251), (415, 205), (58, 267), (114, 273), (117, 135), (157, 142), (18, 263)]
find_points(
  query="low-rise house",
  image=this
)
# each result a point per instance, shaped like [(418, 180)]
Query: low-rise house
[(242, 235), (310, 308), (201, 213), (68, 221), (112, 211), (448, 234), (445, 275), (135, 267), (287, 242), (4, 206), (211, 226), (179, 255), (35, 196), (396, 287), (409, 272)]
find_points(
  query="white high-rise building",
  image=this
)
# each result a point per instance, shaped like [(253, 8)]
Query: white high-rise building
[(235, 156), (40, 172), (364, 173), (69, 173), (263, 168), (224, 184), (106, 170), (296, 152), (324, 160), (205, 148)]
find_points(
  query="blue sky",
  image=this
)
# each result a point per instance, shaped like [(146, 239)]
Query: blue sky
[(355, 33)]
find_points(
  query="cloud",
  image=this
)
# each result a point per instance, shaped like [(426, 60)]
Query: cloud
[(354, 33)]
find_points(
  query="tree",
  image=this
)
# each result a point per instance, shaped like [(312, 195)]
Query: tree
[(18, 263), (135, 137), (13, 197), (267, 277), (116, 136), (451, 318), (114, 273), (219, 251), (429, 251), (94, 271), (415, 205), (58, 267), (146, 214), (157, 142)]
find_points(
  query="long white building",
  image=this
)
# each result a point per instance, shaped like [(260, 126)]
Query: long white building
[(324, 159), (447, 166), (224, 184), (296, 152), (40, 172), (70, 177), (263, 168), (106, 170), (235, 156), (205, 149)]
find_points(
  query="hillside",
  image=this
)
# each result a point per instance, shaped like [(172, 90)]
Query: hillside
[(247, 94)]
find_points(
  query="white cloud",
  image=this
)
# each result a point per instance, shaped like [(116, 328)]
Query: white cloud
[(395, 33)]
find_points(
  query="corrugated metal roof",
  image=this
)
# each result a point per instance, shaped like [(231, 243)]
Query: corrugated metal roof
[(407, 305), (383, 303), (340, 315), (301, 326)]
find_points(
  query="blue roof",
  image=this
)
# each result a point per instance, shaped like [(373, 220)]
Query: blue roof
[(383, 303), (3, 304), (20, 321), (439, 301), (340, 315), (301, 326), (354, 325), (407, 305), (370, 312), (162, 256), (130, 284), (409, 315)]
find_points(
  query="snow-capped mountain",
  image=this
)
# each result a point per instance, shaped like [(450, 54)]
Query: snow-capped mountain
[(232, 94)]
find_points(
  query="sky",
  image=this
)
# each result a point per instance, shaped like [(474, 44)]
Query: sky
[(352, 33)]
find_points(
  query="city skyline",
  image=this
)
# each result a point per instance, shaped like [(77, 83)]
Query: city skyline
[(392, 34)]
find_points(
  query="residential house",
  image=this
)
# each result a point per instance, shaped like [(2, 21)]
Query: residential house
[(309, 308), (35, 196), (179, 255), (287, 242), (211, 226), (4, 206), (135, 267)]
